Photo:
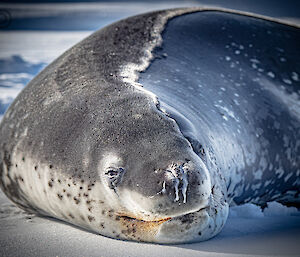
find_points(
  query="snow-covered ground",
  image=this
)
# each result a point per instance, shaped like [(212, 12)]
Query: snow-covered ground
[(248, 232)]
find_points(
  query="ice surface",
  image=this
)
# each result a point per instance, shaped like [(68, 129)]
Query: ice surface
[(23, 234), (38, 46)]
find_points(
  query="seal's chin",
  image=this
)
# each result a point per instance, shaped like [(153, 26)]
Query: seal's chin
[(192, 227)]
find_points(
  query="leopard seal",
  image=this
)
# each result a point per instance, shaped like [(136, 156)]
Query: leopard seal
[(159, 156)]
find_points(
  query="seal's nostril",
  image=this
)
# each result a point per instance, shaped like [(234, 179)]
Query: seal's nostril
[(177, 175)]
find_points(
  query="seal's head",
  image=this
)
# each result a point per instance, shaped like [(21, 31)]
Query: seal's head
[(174, 203), (159, 189)]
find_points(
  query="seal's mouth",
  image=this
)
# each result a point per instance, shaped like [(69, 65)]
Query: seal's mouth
[(135, 219), (146, 229), (132, 218)]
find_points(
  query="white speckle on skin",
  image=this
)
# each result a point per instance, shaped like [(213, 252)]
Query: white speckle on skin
[(282, 59), (288, 176), (287, 81), (271, 74), (295, 76), (224, 117), (254, 66), (258, 174), (253, 60), (256, 186), (263, 163), (229, 113), (279, 172), (286, 141), (236, 102)]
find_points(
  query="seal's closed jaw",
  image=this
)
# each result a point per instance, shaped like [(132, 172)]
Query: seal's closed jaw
[(193, 227), (176, 189), (178, 208)]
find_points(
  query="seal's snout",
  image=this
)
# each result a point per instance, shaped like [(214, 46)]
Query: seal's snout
[(184, 187)]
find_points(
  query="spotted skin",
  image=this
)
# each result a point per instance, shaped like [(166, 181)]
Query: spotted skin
[(84, 142)]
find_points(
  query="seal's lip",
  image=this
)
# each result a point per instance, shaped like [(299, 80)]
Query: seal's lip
[(157, 221), (130, 218)]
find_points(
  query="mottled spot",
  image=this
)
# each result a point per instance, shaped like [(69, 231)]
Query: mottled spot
[(60, 196), (91, 218), (77, 201)]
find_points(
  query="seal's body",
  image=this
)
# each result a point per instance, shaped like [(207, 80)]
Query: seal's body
[(232, 84), (85, 143)]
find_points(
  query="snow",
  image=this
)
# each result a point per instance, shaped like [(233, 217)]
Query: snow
[(248, 232), (38, 46)]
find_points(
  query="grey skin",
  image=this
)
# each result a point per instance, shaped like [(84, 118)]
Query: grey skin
[(85, 143)]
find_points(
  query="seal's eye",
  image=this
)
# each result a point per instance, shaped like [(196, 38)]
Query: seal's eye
[(113, 172), (114, 176)]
